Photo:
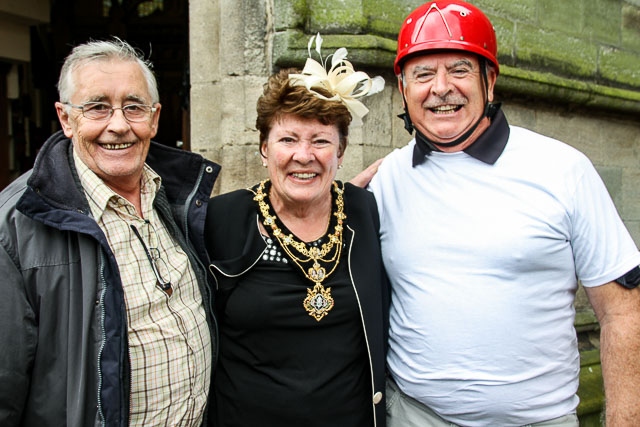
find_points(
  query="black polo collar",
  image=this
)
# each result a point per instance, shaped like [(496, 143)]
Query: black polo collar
[(487, 148)]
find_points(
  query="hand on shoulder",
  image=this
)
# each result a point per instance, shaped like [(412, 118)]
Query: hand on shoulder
[(364, 177)]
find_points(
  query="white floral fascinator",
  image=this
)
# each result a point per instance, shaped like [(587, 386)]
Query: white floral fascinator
[(345, 83)]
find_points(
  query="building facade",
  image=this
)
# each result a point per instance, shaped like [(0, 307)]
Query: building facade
[(569, 70)]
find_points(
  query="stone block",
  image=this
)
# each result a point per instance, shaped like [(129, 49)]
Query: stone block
[(241, 168), (288, 14), (552, 51), (571, 129), (336, 16), (620, 66), (514, 10), (352, 162), (519, 115), (591, 388), (631, 26), (506, 36), (231, 43), (385, 17), (564, 17), (602, 21), (612, 177), (205, 119), (620, 143), (204, 57), (631, 208), (634, 230), (376, 129)]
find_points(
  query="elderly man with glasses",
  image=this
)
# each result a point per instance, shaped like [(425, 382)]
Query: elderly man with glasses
[(106, 316)]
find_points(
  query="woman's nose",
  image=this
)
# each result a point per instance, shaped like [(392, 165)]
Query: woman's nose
[(303, 152)]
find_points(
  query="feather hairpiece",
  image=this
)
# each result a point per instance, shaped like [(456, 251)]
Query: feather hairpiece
[(346, 84)]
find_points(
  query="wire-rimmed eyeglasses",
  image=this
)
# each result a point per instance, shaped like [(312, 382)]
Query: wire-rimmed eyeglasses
[(158, 265), (104, 111)]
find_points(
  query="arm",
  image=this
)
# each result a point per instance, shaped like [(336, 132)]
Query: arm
[(17, 341), (618, 311), (363, 178)]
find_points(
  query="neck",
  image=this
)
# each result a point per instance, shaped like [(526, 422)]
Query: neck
[(131, 192), (307, 222), (464, 141)]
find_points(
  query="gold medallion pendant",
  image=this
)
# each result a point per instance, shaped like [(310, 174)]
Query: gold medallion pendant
[(318, 302)]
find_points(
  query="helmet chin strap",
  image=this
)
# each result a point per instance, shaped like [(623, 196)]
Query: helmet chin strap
[(489, 111)]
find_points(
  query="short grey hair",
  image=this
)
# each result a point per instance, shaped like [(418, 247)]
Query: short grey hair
[(101, 51)]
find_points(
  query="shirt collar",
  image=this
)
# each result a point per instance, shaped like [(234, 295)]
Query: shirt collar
[(487, 148), (99, 194)]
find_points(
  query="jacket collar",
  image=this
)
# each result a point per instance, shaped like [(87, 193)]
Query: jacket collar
[(54, 171)]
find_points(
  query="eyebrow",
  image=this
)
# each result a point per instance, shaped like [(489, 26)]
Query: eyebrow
[(323, 135), (458, 63), (102, 98), (463, 61)]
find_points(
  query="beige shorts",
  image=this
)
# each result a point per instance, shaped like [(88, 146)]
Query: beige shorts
[(404, 411)]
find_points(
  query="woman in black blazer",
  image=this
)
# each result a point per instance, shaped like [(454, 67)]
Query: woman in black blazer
[(301, 292)]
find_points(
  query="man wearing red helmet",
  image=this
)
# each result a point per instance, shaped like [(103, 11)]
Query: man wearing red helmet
[(486, 229)]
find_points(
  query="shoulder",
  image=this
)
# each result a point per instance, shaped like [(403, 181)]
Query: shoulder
[(10, 198), (234, 201), (529, 149), (403, 154), (230, 210), (182, 170), (357, 196), (243, 194), (523, 138), (230, 214), (12, 193), (10, 218), (360, 206), (231, 229)]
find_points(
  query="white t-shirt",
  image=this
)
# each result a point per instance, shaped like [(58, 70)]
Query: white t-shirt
[(484, 262)]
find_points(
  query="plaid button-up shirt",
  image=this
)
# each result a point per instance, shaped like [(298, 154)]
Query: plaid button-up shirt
[(169, 341)]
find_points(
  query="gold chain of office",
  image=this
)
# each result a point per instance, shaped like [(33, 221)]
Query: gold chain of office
[(318, 301)]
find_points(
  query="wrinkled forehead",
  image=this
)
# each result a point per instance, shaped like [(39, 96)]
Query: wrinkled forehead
[(446, 58), (102, 79)]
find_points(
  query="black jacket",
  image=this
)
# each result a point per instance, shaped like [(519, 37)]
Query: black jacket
[(64, 358), (235, 244)]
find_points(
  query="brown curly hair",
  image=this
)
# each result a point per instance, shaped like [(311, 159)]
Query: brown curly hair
[(280, 98)]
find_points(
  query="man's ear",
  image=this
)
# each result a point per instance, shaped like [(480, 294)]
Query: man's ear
[(63, 116), (491, 83), (155, 120), (401, 89)]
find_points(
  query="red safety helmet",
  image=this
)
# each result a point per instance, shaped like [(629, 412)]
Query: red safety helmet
[(446, 25)]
